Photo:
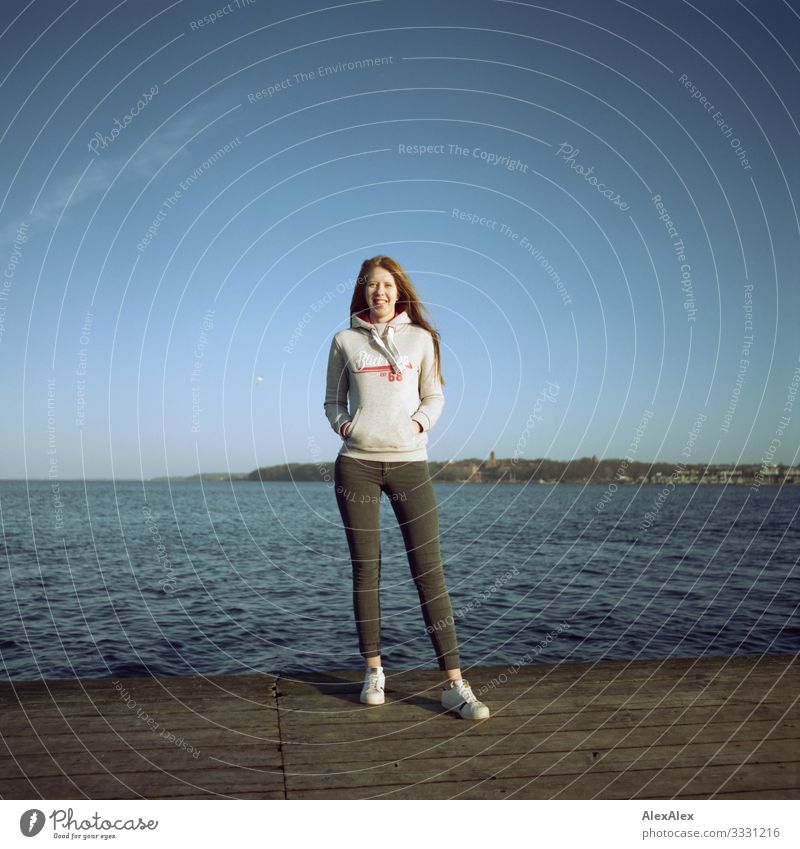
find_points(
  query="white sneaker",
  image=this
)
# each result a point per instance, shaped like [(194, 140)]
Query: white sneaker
[(374, 682), (458, 697)]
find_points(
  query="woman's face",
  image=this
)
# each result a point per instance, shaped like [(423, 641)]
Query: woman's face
[(381, 293)]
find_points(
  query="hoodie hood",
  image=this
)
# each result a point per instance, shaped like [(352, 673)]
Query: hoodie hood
[(382, 334)]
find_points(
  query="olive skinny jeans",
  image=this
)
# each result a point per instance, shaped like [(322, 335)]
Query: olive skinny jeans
[(408, 487)]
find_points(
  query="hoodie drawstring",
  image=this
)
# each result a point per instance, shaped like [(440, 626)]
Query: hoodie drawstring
[(389, 348)]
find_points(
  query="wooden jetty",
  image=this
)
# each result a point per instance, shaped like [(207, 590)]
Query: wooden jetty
[(715, 727)]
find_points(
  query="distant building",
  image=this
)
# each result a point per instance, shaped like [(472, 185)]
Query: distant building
[(492, 460)]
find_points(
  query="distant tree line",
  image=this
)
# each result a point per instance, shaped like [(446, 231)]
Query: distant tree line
[(541, 470)]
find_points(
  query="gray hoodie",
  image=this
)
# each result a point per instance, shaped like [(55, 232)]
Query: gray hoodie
[(388, 372)]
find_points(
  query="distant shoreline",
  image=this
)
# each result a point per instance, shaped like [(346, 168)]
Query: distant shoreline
[(581, 471), (586, 470)]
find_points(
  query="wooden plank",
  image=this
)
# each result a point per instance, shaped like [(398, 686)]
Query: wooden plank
[(634, 784), (24, 712), (596, 741), (131, 755), (190, 709), (562, 679), (232, 688), (119, 722), (520, 682), (144, 738), (306, 727), (773, 793), (297, 715), (611, 761), (388, 721), (216, 781), (345, 707), (698, 672), (604, 756)]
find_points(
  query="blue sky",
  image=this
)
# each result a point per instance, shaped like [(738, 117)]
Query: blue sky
[(604, 226)]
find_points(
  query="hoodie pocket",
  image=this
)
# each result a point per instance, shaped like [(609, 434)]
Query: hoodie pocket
[(383, 429)]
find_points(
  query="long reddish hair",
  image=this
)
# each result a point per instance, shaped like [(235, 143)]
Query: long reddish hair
[(406, 296)]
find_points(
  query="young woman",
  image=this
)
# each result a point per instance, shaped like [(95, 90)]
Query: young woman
[(387, 365)]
